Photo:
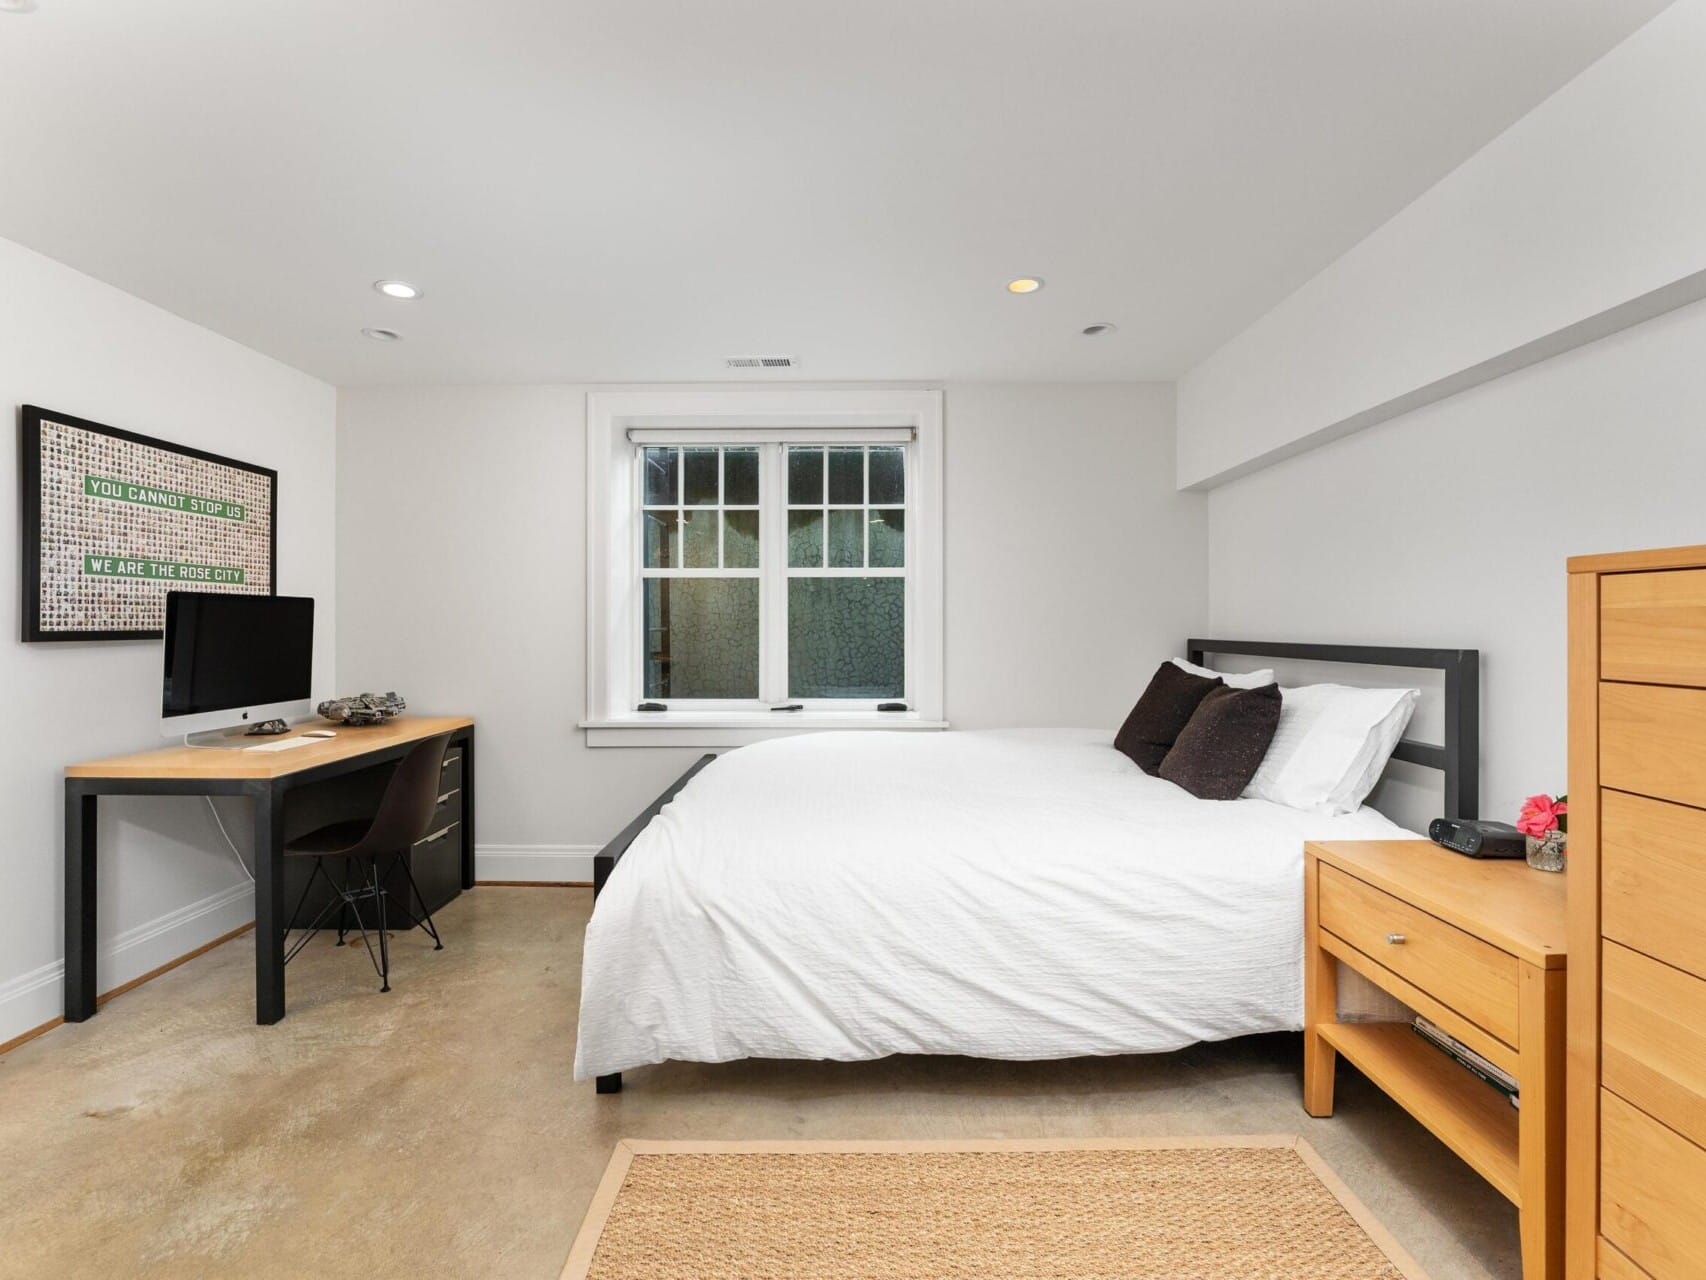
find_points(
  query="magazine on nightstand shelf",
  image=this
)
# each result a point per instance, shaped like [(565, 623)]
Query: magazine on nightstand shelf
[(1468, 1059)]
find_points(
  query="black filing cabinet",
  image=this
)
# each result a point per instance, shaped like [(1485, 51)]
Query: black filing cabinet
[(436, 859)]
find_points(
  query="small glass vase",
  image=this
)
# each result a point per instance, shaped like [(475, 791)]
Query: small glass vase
[(1546, 853)]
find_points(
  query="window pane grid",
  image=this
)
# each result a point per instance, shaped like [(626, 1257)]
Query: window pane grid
[(683, 536), (813, 473)]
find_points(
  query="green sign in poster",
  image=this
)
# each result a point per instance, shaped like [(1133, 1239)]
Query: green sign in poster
[(121, 567), (189, 503)]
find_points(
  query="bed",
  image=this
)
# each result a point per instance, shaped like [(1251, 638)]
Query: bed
[(1003, 894)]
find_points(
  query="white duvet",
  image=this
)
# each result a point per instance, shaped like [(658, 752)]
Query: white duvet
[(1013, 894)]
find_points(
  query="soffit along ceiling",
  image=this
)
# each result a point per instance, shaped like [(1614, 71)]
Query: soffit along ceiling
[(634, 190)]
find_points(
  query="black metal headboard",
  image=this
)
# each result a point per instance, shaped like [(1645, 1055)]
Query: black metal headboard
[(1459, 756)]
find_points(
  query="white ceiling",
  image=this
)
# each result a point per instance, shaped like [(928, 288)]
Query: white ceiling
[(630, 190)]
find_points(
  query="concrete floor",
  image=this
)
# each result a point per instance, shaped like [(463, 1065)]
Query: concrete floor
[(435, 1130)]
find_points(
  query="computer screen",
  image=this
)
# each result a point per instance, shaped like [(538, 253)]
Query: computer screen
[(229, 651)]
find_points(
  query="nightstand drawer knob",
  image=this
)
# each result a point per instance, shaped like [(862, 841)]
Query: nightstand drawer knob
[(1396, 939)]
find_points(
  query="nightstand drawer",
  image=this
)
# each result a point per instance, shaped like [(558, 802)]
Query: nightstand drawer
[(1648, 1183), (1652, 627), (1456, 968)]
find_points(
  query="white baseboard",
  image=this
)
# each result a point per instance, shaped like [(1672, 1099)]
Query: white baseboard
[(535, 863), (36, 997)]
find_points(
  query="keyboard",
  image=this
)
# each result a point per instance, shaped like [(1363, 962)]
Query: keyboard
[(285, 744)]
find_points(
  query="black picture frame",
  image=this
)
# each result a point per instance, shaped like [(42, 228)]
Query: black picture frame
[(31, 418)]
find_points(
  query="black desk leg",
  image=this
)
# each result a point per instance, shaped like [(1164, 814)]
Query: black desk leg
[(269, 903), (468, 811), (79, 902)]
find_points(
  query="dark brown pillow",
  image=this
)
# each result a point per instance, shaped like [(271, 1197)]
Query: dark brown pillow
[(1161, 714), (1221, 748)]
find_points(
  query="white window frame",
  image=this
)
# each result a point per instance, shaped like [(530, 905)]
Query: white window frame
[(803, 415)]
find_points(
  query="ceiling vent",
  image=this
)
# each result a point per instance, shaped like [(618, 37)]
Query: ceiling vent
[(760, 362)]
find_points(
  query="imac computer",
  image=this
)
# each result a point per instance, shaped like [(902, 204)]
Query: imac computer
[(234, 661)]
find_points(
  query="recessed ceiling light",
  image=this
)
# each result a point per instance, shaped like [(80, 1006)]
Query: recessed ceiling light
[(397, 289), (1098, 329), (382, 335), (1024, 284), (17, 6)]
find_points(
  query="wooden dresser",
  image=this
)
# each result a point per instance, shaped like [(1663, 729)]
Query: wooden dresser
[(1478, 947), (1636, 1142)]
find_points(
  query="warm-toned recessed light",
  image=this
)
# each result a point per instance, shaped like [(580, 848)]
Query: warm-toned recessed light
[(1098, 329), (1024, 284), (382, 335), (397, 289)]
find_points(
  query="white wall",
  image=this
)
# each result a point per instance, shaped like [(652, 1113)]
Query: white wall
[(1587, 215), (1450, 526), (168, 883), (1072, 568)]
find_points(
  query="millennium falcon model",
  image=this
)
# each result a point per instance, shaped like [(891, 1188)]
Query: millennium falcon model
[(364, 708)]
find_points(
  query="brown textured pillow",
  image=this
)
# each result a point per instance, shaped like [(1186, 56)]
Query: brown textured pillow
[(1221, 748), (1161, 714)]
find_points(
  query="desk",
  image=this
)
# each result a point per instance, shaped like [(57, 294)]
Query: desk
[(266, 777)]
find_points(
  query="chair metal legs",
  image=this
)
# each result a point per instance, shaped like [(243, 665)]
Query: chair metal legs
[(346, 902), (424, 920), (343, 906)]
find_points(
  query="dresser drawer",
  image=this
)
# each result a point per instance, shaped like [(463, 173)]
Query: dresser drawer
[(1615, 1265), (1653, 1038), (1456, 968), (1653, 878), (1649, 1181), (1652, 741), (1652, 627)]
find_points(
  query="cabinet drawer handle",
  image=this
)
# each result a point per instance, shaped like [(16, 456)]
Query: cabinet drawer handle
[(435, 837), (1396, 939)]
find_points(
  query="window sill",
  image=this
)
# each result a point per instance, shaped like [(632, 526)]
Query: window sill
[(738, 728)]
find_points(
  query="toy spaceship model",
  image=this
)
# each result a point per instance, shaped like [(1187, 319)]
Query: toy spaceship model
[(364, 708)]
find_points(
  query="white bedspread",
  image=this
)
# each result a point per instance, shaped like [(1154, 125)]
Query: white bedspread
[(1013, 894)]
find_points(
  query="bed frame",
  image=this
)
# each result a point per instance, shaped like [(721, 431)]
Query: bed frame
[(1459, 756)]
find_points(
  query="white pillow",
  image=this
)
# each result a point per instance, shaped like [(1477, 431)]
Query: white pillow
[(1233, 679), (1331, 745)]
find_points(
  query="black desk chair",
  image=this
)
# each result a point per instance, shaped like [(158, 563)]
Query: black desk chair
[(405, 816)]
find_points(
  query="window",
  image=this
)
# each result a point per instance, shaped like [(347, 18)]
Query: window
[(840, 633), (846, 573), (700, 565), (762, 549)]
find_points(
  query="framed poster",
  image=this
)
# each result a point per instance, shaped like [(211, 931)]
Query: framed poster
[(113, 520)]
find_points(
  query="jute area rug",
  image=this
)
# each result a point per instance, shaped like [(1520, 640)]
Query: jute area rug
[(1187, 1209)]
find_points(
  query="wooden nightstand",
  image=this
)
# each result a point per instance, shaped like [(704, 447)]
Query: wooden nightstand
[(1477, 947)]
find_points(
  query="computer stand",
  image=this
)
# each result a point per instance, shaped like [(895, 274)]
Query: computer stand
[(235, 737)]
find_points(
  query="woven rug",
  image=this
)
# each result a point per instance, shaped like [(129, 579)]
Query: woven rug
[(1192, 1209)]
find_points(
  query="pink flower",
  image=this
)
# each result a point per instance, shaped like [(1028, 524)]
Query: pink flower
[(1541, 814)]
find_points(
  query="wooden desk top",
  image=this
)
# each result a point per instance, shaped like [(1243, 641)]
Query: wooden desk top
[(217, 762), (1505, 902)]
